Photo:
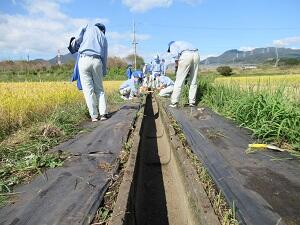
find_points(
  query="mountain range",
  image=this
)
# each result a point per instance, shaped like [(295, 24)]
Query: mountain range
[(255, 56), (233, 56)]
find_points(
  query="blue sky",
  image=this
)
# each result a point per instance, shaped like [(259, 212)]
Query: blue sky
[(41, 27)]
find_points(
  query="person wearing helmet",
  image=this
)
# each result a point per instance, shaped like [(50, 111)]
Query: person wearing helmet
[(187, 60), (91, 45), (166, 86), (130, 88)]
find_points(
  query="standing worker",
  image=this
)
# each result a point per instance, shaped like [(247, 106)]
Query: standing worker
[(156, 69), (91, 45), (129, 71), (163, 67), (147, 71), (187, 61)]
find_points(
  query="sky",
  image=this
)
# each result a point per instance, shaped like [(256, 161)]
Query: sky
[(39, 28)]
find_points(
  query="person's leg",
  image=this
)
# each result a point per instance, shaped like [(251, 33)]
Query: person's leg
[(152, 84), (84, 66), (166, 92), (194, 75), (97, 73), (183, 69)]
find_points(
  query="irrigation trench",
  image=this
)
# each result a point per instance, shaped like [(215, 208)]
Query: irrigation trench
[(160, 185)]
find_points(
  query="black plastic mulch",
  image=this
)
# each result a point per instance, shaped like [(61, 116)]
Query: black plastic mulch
[(72, 194), (265, 192)]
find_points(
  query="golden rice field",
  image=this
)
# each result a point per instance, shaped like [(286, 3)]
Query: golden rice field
[(290, 84), (275, 80), (22, 103)]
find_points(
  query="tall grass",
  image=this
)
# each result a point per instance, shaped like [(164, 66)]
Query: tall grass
[(269, 113)]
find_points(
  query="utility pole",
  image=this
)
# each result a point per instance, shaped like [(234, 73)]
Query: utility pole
[(277, 57), (134, 43), (58, 57), (27, 57)]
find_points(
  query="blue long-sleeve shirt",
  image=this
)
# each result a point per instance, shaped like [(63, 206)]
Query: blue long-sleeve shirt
[(131, 84), (93, 42), (156, 67), (129, 73), (76, 75), (165, 81), (178, 47), (138, 73)]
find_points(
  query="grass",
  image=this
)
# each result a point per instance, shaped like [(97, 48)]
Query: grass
[(270, 114), (24, 154), (23, 151)]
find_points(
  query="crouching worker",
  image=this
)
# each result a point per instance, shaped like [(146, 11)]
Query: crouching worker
[(166, 86), (130, 88)]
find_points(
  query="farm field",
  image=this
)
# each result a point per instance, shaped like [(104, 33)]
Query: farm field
[(288, 84), (275, 80), (26, 102)]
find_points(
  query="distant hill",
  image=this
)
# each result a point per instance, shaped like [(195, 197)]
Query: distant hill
[(64, 58), (233, 56), (256, 56)]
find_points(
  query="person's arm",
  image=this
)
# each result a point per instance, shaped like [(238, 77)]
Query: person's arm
[(162, 86), (104, 60), (79, 38)]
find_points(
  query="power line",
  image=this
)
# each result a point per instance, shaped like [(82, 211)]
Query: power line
[(217, 28)]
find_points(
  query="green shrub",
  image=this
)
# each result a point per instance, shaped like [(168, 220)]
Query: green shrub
[(225, 70)]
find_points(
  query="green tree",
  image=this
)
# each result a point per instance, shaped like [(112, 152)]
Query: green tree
[(139, 60), (225, 70)]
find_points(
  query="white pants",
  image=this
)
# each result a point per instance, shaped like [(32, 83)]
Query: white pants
[(147, 82), (188, 63), (166, 92), (91, 75), (153, 82)]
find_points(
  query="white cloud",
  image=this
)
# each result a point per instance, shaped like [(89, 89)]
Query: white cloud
[(127, 36), (287, 41), (246, 48), (207, 56), (120, 50), (192, 2), (144, 5), (41, 31)]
